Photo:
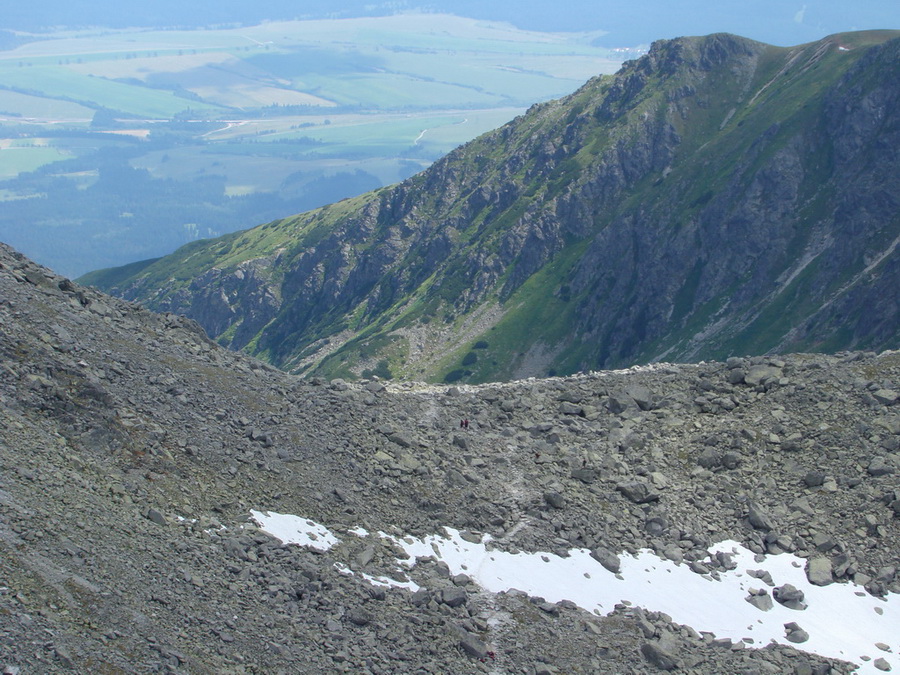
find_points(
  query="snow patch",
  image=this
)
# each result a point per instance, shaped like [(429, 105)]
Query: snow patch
[(842, 620)]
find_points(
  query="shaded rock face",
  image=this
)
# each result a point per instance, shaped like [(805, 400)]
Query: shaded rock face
[(717, 196), (132, 449)]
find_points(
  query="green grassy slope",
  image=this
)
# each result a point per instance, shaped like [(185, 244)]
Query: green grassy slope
[(698, 204)]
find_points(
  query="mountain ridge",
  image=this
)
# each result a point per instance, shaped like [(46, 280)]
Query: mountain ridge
[(718, 196)]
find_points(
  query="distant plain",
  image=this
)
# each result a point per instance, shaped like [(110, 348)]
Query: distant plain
[(272, 119)]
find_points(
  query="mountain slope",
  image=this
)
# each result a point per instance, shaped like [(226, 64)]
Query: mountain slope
[(133, 452), (718, 196)]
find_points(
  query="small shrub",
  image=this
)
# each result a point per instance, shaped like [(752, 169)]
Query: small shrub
[(456, 375)]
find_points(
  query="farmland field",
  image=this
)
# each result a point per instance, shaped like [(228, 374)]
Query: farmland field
[(259, 121)]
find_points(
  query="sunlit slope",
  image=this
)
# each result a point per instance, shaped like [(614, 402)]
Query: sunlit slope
[(718, 196)]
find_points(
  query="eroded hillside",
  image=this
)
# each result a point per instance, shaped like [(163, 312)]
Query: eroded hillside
[(132, 450)]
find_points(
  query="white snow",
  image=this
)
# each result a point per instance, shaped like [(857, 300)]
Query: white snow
[(387, 582), (843, 621), (295, 530)]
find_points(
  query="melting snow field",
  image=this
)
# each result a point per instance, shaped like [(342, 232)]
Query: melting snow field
[(843, 621)]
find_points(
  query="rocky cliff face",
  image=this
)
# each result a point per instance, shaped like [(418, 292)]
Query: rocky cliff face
[(133, 449), (716, 197)]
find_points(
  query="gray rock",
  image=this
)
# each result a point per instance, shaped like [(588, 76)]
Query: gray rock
[(638, 492), (618, 402), (658, 656), (758, 518), (760, 374), (795, 634), (567, 408), (607, 558), (819, 572), (882, 664), (474, 646), (156, 517), (554, 499), (732, 460), (404, 440), (655, 526), (789, 596), (760, 599), (454, 597), (710, 459), (879, 466), (359, 617), (814, 479), (886, 396), (586, 476), (420, 597), (365, 556), (640, 395), (887, 574)]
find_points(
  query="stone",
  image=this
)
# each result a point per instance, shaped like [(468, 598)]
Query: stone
[(658, 656), (814, 479), (879, 466), (886, 396), (474, 646), (586, 476), (789, 596), (607, 559), (795, 634), (567, 408), (359, 617), (819, 572), (156, 517), (759, 374), (886, 574), (638, 492), (365, 556), (731, 460), (710, 459), (758, 518), (760, 599), (641, 395), (618, 402), (882, 664), (454, 597), (554, 499)]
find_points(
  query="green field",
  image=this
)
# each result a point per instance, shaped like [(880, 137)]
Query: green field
[(21, 156), (280, 115)]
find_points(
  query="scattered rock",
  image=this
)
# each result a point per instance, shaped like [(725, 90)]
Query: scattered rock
[(760, 599), (607, 558), (789, 596), (638, 492), (819, 571), (474, 646), (658, 656), (795, 634)]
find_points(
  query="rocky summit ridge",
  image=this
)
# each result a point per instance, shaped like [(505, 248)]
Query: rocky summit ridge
[(133, 448), (716, 197)]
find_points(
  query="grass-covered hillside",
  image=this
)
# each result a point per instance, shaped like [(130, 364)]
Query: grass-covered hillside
[(716, 197)]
